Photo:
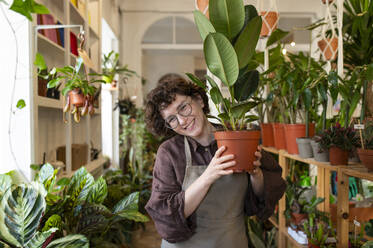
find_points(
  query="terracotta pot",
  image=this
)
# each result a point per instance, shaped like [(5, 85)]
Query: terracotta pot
[(242, 144), (279, 135), (311, 245), (361, 214), (329, 47), (203, 6), (337, 156), (267, 134), (298, 218), (294, 131), (77, 98), (366, 157), (270, 22)]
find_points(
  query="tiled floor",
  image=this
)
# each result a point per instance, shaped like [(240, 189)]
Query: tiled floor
[(147, 238)]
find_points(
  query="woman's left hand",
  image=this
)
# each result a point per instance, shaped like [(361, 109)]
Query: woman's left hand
[(257, 163)]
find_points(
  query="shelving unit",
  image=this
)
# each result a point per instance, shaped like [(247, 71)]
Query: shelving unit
[(323, 173), (48, 129)]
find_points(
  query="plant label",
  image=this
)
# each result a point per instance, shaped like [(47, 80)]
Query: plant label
[(356, 223), (358, 126)]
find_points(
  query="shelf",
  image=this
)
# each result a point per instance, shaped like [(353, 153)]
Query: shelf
[(47, 102), (46, 44), (93, 35), (270, 149), (75, 15), (360, 172), (95, 167)]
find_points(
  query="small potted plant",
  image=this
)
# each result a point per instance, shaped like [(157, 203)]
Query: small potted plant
[(318, 231), (339, 141), (78, 90), (366, 144), (229, 44)]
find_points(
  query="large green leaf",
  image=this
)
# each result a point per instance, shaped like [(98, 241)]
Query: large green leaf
[(196, 80), (27, 7), (80, 184), (94, 218), (216, 95), (46, 172), (276, 36), (40, 62), (247, 41), (98, 191), (39, 238), (22, 208), (204, 26), (133, 215), (5, 183), (227, 16), (239, 110), (130, 202), (221, 59), (246, 85), (3, 245), (71, 241)]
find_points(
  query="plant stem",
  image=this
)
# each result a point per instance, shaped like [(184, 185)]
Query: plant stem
[(325, 105)]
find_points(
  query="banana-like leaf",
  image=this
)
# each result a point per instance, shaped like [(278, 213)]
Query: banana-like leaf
[(247, 41), (227, 16), (246, 85), (22, 208), (133, 215), (221, 59), (98, 191), (204, 26), (5, 183), (40, 238), (130, 202), (71, 241)]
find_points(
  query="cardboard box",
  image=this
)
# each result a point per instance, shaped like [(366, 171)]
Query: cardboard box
[(79, 155)]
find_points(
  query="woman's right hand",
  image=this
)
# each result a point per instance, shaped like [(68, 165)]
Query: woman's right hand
[(218, 166)]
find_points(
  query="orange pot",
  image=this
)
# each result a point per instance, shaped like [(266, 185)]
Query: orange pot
[(270, 22), (202, 5), (294, 131), (337, 156), (366, 157), (242, 144), (329, 47), (267, 134), (279, 135), (77, 98)]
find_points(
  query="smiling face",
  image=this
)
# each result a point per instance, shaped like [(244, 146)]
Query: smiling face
[(195, 124)]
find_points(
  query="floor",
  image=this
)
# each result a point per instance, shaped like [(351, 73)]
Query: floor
[(147, 238)]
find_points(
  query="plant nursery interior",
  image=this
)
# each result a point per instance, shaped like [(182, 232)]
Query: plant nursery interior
[(186, 123)]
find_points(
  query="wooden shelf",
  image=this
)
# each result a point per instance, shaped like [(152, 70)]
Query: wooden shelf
[(270, 149), (46, 44), (93, 35), (47, 102), (75, 15), (360, 172)]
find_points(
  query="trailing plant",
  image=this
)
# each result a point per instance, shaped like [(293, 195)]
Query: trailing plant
[(337, 136), (230, 38), (21, 210)]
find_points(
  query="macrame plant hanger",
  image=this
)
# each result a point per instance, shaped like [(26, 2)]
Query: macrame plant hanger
[(203, 6), (328, 46), (270, 18)]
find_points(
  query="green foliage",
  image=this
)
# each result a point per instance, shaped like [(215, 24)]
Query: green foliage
[(369, 228), (28, 7), (229, 46), (21, 104), (259, 235), (367, 136), (318, 231), (343, 138)]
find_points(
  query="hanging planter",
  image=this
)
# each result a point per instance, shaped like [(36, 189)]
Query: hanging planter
[(270, 22), (328, 47), (203, 6), (76, 98)]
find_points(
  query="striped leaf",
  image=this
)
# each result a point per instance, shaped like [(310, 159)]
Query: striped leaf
[(79, 186), (98, 191), (71, 241), (22, 208), (3, 245), (133, 215), (5, 183), (40, 238), (130, 202)]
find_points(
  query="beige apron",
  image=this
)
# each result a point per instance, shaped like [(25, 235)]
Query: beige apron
[(220, 216)]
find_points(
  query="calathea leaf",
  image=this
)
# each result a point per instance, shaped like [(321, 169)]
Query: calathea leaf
[(133, 215), (5, 183), (45, 173), (98, 191), (71, 241), (94, 218), (130, 202), (39, 238), (246, 85)]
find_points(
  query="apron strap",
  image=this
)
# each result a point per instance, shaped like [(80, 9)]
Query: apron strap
[(188, 155)]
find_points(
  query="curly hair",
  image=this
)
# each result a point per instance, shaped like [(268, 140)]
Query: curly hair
[(162, 96)]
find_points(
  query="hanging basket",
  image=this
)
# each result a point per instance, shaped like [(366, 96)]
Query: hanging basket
[(270, 21), (328, 47), (203, 6), (77, 98)]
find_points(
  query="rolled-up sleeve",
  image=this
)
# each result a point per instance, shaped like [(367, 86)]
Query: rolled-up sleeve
[(274, 188), (166, 204)]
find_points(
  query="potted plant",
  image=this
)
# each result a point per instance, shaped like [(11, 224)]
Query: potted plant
[(329, 47), (230, 39), (111, 68), (339, 141), (366, 143), (318, 232), (78, 90)]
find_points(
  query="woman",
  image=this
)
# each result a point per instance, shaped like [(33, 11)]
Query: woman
[(196, 200)]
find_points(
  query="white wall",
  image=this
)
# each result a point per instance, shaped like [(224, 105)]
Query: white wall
[(157, 65), (20, 128), (110, 12)]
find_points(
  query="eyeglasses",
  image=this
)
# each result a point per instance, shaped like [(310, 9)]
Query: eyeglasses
[(172, 121)]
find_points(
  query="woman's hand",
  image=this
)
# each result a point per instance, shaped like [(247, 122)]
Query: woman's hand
[(257, 163), (218, 166), (256, 175)]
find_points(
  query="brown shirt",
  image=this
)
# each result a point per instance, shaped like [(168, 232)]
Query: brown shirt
[(166, 204)]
